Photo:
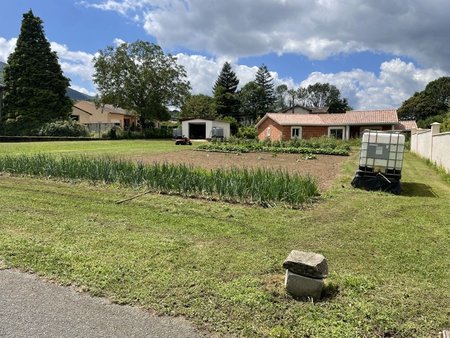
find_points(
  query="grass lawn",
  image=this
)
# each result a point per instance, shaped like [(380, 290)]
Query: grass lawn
[(219, 264), (107, 147)]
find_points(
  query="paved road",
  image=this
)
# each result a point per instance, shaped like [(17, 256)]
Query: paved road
[(31, 307)]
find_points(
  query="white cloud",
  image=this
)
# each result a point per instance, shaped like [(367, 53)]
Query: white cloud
[(74, 63), (120, 6), (77, 65), (118, 42), (202, 72), (6, 48), (396, 82), (317, 29)]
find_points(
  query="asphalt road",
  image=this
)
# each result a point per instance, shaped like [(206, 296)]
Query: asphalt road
[(32, 307)]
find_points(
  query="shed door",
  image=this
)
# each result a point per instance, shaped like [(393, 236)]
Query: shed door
[(197, 131)]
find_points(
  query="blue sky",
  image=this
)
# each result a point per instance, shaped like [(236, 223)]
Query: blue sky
[(378, 53)]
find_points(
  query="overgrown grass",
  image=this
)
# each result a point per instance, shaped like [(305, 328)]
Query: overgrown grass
[(322, 145), (219, 264), (439, 169), (262, 186)]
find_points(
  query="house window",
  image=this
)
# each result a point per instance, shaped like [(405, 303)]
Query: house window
[(296, 132), (336, 132), (75, 117), (268, 132)]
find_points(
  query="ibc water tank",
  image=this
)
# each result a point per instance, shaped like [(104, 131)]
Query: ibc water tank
[(382, 152)]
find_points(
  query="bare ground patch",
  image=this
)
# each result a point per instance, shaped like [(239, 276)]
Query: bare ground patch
[(325, 168)]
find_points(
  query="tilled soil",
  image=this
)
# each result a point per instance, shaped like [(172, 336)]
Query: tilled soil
[(324, 168)]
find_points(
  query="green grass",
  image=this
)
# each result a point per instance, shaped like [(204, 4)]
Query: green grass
[(219, 264), (116, 147), (261, 186)]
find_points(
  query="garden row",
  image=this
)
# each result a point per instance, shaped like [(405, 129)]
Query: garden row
[(321, 145), (261, 186), (236, 148)]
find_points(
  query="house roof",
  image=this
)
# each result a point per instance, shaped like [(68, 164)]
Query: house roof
[(352, 117), (406, 125), (311, 110), (90, 108)]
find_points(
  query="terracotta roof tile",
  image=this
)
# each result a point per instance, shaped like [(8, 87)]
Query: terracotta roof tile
[(353, 117), (406, 125)]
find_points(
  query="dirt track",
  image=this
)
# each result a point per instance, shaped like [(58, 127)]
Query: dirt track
[(325, 168)]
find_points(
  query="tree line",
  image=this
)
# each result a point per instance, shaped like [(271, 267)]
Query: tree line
[(259, 97), (140, 77)]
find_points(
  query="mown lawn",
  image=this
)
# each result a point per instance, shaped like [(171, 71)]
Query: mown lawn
[(219, 264), (107, 147)]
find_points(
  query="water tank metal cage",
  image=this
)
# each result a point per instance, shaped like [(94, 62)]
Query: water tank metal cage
[(217, 133), (380, 161)]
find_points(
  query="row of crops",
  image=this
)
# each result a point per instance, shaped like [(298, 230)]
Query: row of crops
[(322, 145), (261, 186)]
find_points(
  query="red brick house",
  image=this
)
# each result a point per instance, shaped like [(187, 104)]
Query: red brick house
[(306, 124)]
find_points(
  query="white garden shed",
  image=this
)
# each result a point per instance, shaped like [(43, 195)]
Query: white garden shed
[(202, 129)]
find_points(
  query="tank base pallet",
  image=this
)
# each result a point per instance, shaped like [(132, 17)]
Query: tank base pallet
[(377, 181)]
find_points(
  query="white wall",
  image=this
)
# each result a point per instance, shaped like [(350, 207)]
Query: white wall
[(423, 143), (209, 125), (440, 153), (432, 145)]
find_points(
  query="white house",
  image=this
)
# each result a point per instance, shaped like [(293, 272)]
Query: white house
[(201, 129)]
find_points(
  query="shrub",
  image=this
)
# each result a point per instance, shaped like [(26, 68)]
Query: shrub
[(247, 133), (149, 133), (64, 128)]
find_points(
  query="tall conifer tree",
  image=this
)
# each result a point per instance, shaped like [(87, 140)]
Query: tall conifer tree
[(225, 96), (265, 80), (36, 88)]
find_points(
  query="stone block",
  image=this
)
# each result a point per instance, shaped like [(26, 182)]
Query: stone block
[(301, 286), (307, 264)]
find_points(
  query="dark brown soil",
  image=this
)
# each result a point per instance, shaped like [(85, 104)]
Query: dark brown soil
[(324, 168)]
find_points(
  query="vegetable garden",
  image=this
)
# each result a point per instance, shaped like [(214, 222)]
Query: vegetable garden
[(261, 186), (322, 145)]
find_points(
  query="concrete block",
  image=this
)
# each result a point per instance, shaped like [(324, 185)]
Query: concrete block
[(301, 286), (309, 264)]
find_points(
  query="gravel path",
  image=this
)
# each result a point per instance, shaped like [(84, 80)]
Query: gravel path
[(31, 307)]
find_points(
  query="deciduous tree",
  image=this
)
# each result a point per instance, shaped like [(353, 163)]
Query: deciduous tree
[(198, 107), (140, 77), (321, 95), (433, 101), (252, 101), (280, 102), (35, 92)]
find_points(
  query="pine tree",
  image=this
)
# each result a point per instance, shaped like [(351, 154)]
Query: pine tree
[(265, 80), (36, 88), (227, 79), (225, 96)]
